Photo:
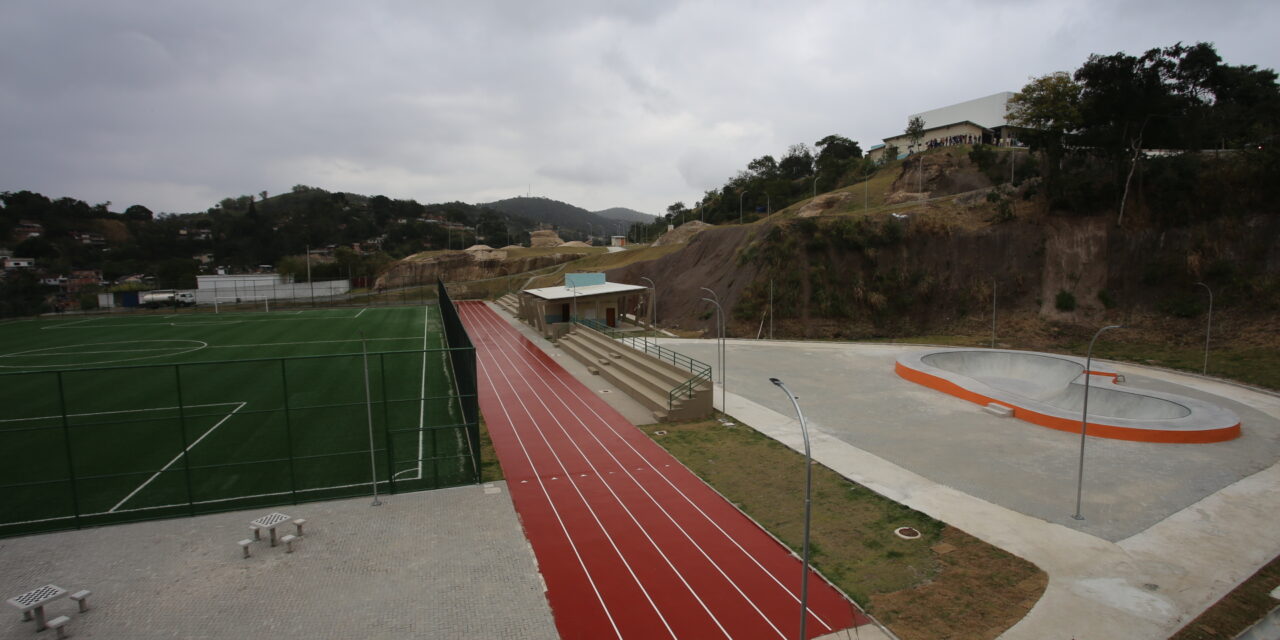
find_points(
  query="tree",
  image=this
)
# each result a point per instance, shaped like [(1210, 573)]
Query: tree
[(798, 163), (138, 212), (677, 210), (915, 131), (763, 167), (1049, 107), (836, 155)]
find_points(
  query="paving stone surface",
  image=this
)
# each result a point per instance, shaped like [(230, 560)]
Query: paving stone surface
[(451, 563)]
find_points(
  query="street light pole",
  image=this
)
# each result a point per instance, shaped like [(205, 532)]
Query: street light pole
[(740, 195), (993, 314), (815, 185), (723, 378), (653, 303), (808, 492), (1084, 417), (1208, 329)]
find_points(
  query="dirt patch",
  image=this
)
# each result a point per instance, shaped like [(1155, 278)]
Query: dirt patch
[(1238, 610), (682, 233), (968, 590), (710, 259), (822, 204), (979, 591)]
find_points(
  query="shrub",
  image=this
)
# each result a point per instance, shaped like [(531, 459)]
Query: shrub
[(1065, 301)]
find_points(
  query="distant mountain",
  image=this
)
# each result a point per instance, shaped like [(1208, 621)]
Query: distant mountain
[(624, 214), (560, 214)]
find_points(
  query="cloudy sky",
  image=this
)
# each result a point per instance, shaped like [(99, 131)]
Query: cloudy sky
[(635, 103)]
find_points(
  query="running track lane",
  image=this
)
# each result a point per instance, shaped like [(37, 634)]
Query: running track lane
[(630, 542)]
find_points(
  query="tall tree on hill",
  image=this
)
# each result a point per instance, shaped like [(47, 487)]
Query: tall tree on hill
[(1049, 108), (915, 131), (836, 155)]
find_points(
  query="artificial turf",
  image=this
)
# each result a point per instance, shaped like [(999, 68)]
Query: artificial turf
[(133, 416)]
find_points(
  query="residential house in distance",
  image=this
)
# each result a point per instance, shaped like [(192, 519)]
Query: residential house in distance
[(27, 229), (12, 262)]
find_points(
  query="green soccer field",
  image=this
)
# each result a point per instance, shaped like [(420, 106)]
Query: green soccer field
[(123, 417)]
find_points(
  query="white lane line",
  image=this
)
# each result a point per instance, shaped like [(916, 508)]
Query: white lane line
[(586, 458), (177, 457), (529, 348), (547, 495)]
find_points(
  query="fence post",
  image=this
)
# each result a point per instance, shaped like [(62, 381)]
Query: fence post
[(386, 425), (66, 439), (182, 430), (288, 433), (368, 407)]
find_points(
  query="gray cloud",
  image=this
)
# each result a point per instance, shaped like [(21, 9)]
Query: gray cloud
[(639, 104)]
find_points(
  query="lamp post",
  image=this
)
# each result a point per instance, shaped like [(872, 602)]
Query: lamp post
[(1084, 417), (740, 196), (808, 492), (724, 379), (653, 303), (815, 185), (993, 314), (1208, 329)]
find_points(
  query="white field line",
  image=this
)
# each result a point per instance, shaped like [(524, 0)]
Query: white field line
[(361, 312), (177, 457), (283, 344), (183, 504), (422, 393), (107, 413), (117, 324), (89, 353)]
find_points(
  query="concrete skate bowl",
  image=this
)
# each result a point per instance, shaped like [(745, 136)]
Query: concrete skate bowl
[(1048, 390)]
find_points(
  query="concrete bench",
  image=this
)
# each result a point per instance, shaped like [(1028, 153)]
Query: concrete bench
[(257, 531), (244, 546), (298, 523), (59, 623), (288, 541), (82, 598)]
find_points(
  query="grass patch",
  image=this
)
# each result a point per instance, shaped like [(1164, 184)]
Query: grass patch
[(1245, 605), (905, 583)]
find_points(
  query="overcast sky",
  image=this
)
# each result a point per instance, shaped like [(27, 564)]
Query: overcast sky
[(638, 103)]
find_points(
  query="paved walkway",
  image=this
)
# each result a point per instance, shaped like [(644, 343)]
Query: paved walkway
[(450, 563), (1145, 584)]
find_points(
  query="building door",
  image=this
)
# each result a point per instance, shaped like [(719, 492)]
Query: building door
[(611, 316), (564, 312)]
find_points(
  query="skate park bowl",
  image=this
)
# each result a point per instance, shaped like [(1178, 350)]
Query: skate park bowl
[(1049, 390)]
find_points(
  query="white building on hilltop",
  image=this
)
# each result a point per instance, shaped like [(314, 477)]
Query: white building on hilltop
[(979, 121)]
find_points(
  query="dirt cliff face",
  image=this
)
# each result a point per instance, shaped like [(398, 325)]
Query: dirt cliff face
[(709, 260), (884, 276), (460, 266)]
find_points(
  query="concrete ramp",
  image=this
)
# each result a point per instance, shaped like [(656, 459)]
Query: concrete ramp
[(1049, 390)]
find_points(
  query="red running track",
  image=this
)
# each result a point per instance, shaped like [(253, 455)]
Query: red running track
[(630, 542)]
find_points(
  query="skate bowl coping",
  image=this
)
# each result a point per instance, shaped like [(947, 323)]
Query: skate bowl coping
[(1048, 390)]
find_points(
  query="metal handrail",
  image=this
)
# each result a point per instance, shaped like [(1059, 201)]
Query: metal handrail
[(700, 370)]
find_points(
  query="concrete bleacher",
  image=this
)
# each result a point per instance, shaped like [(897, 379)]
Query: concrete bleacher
[(510, 303), (645, 378)]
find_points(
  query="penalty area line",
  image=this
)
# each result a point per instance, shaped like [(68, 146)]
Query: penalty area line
[(177, 457)]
